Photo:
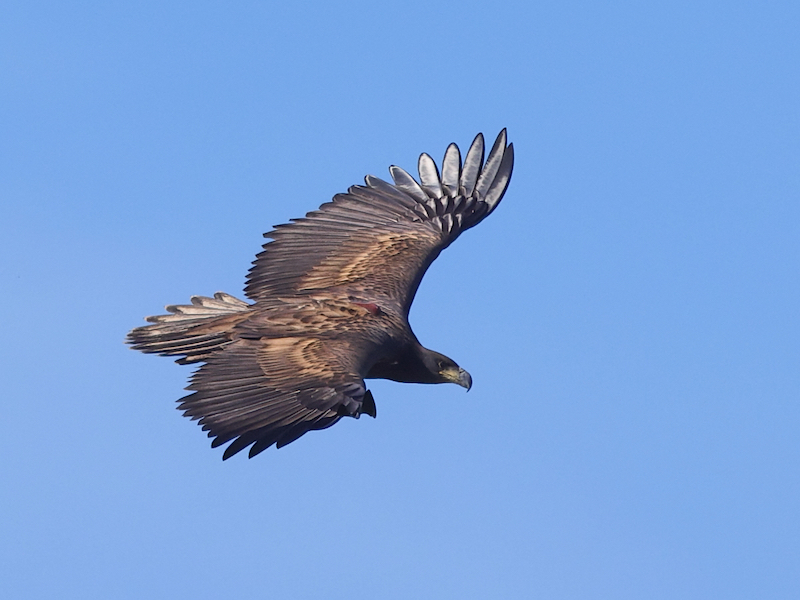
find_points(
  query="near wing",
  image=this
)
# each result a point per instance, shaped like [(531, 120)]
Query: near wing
[(377, 241), (272, 391)]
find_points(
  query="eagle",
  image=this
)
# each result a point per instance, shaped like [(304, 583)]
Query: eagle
[(330, 293)]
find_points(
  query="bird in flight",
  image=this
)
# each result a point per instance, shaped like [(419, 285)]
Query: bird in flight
[(330, 293)]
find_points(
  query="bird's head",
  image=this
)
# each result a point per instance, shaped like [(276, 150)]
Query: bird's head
[(445, 370)]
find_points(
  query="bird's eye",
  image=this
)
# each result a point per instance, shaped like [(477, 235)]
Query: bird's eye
[(440, 364)]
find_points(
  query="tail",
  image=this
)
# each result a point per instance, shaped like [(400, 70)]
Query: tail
[(194, 331)]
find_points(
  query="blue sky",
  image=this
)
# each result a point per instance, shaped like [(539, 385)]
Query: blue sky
[(629, 314)]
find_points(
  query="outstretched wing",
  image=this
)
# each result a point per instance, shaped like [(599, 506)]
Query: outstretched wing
[(376, 241), (272, 391)]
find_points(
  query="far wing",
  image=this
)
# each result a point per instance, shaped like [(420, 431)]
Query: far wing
[(377, 240), (265, 392)]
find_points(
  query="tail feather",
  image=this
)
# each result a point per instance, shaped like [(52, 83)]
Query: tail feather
[(193, 331)]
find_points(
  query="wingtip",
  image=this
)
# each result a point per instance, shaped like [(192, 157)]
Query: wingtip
[(491, 168), (496, 188), (473, 163)]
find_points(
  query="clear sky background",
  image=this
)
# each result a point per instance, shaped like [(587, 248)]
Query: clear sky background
[(630, 314)]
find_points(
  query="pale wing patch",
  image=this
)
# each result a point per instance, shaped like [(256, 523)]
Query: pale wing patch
[(388, 255), (297, 361)]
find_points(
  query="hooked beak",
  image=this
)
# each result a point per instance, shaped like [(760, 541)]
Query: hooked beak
[(464, 379), (456, 375)]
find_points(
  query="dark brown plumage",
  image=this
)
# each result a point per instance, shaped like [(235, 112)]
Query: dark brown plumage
[(331, 294)]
